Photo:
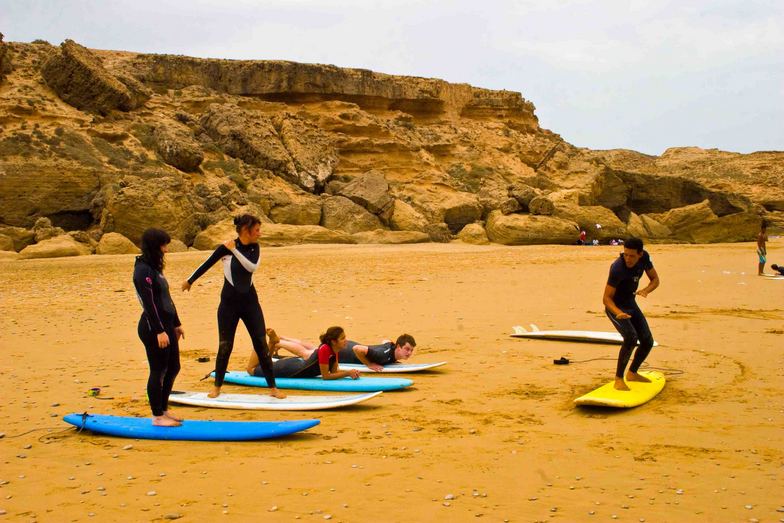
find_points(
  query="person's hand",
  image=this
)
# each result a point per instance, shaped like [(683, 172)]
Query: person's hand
[(643, 293), (375, 367), (186, 285), (229, 244), (180, 332), (163, 340), (353, 374), (622, 316)]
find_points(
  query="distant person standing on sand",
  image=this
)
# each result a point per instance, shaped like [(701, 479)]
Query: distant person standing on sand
[(762, 250), (239, 300), (159, 326), (623, 311)]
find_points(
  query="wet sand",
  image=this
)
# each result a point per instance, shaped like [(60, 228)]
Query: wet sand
[(492, 436)]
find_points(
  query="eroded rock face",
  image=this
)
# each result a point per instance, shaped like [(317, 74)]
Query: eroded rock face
[(80, 79), (312, 151), (528, 229), (295, 209), (281, 234), (19, 236), (699, 224), (371, 191), (37, 188), (474, 233), (215, 235), (158, 202), (339, 213), (406, 218), (177, 146), (6, 243), (57, 247), (645, 227), (115, 243)]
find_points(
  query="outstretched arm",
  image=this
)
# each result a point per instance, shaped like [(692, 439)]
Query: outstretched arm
[(246, 263), (219, 253)]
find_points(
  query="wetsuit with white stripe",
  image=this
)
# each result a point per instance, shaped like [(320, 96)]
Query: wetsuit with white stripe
[(239, 301), (625, 280), (158, 316)]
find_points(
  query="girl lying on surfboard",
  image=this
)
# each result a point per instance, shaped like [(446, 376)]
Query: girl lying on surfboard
[(373, 357), (322, 361)]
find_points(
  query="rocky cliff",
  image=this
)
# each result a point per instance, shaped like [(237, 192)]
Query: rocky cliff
[(103, 142)]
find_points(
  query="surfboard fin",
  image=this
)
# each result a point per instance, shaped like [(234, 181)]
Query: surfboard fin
[(519, 329), (534, 328)]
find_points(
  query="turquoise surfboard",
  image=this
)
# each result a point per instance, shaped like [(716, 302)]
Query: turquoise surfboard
[(339, 385)]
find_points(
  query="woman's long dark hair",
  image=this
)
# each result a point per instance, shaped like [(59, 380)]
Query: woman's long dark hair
[(152, 240), (332, 334)]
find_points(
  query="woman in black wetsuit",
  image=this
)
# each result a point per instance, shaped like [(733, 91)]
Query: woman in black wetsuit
[(239, 300), (159, 326)]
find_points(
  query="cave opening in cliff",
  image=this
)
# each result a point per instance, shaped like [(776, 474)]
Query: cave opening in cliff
[(72, 220)]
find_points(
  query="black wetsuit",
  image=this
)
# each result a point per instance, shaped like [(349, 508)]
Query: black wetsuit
[(299, 367), (383, 354), (158, 315), (239, 301), (634, 329)]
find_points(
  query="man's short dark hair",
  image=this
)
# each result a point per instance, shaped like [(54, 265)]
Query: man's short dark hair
[(633, 243), (405, 338)]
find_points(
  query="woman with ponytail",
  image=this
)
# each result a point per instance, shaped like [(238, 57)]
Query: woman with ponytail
[(239, 300), (322, 361), (159, 326)]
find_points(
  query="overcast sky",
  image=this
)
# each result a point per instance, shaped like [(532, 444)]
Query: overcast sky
[(642, 75)]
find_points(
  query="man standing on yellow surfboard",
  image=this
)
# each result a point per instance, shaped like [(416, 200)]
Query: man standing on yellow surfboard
[(623, 311)]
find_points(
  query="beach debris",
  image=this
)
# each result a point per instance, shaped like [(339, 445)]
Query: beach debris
[(591, 512), (447, 504), (327, 516), (273, 508), (152, 493), (128, 447), (21, 456), (28, 446), (172, 516), (449, 497), (553, 509), (748, 507), (475, 493), (679, 491), (2, 512)]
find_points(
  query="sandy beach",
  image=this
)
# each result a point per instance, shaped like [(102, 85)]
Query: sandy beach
[(493, 435)]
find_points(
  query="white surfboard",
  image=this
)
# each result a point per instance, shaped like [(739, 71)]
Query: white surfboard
[(394, 367), (607, 338), (267, 402), (773, 276)]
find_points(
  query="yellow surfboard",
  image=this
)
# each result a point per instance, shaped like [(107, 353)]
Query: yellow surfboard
[(608, 396)]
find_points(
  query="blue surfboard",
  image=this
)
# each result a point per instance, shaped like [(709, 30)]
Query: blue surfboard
[(340, 385), (191, 430)]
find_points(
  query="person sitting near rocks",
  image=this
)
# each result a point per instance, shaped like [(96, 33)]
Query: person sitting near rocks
[(374, 357)]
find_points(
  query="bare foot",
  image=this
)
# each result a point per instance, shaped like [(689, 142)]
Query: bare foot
[(620, 384), (633, 376), (274, 339), (214, 393), (169, 414), (163, 421), (275, 393)]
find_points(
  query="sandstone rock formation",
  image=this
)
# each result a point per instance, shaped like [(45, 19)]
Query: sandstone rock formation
[(525, 229), (6, 243), (57, 247), (390, 237), (80, 79), (115, 243), (184, 144), (474, 233)]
